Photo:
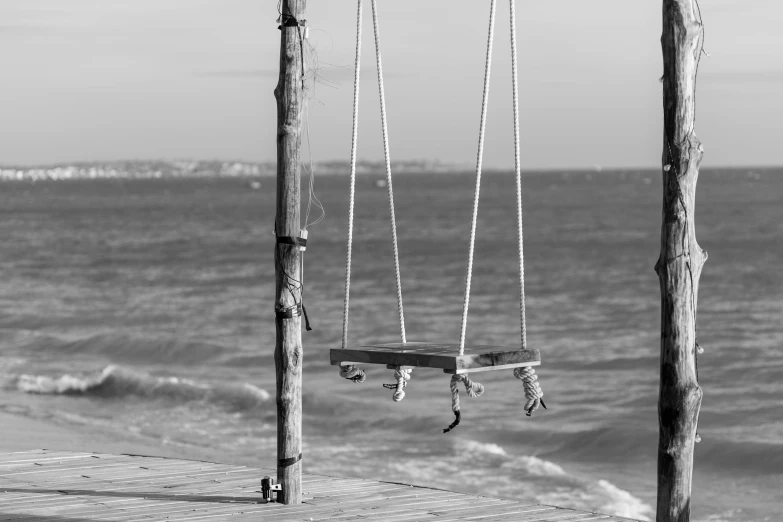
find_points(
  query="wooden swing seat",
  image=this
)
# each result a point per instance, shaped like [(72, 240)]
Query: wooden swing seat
[(476, 358)]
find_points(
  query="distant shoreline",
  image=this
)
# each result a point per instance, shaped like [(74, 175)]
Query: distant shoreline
[(152, 169), (144, 169)]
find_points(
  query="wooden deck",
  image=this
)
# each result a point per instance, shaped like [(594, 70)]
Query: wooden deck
[(50, 486)]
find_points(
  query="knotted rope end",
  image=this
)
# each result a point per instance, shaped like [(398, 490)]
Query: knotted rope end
[(353, 373), (474, 389), (402, 375), (453, 424), (533, 392)]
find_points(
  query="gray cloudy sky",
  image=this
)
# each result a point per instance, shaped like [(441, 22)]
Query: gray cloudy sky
[(102, 80)]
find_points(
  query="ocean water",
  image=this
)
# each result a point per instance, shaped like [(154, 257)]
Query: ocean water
[(142, 309)]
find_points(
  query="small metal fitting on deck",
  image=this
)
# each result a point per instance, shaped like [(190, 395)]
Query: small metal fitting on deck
[(268, 487)]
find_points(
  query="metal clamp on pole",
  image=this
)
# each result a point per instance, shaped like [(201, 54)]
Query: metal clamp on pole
[(300, 241), (290, 312), (268, 487)]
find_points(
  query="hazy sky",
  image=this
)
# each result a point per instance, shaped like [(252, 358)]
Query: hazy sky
[(111, 79)]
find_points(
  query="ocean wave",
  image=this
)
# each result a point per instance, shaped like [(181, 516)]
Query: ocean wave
[(622, 503), (117, 382), (600, 495), (529, 464), (486, 468), (563, 487)]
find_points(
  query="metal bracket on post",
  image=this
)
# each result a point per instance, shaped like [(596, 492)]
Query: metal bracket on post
[(302, 240), (268, 486)]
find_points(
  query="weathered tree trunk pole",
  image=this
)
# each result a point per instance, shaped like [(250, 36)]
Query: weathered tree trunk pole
[(288, 343), (680, 262)]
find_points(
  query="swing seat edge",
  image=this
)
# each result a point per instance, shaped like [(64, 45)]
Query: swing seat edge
[(444, 356)]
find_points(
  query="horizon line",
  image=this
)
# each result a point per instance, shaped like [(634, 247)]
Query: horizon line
[(432, 163)]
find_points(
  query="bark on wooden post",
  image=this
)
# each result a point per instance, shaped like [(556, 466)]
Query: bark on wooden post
[(288, 343), (680, 262)]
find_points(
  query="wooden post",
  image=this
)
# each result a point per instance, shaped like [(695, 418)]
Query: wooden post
[(680, 262), (288, 343)]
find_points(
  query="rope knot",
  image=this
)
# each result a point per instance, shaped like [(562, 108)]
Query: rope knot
[(352, 373), (474, 389), (402, 375), (533, 392)]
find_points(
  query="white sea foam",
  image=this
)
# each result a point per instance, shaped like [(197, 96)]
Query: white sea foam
[(7, 363), (530, 464), (499, 472), (622, 503), (564, 489), (601, 496), (731, 515), (117, 382), (536, 466), (262, 394), (44, 384), (474, 447)]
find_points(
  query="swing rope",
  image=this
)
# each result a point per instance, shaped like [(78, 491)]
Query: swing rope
[(474, 219), (350, 371), (402, 376), (376, 31), (518, 174), (351, 197), (471, 387), (527, 374)]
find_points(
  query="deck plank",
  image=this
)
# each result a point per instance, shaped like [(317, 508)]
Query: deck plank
[(394, 513), (44, 472), (44, 485)]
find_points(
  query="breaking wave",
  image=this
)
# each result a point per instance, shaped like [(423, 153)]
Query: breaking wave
[(565, 487), (498, 473), (116, 382), (531, 465)]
